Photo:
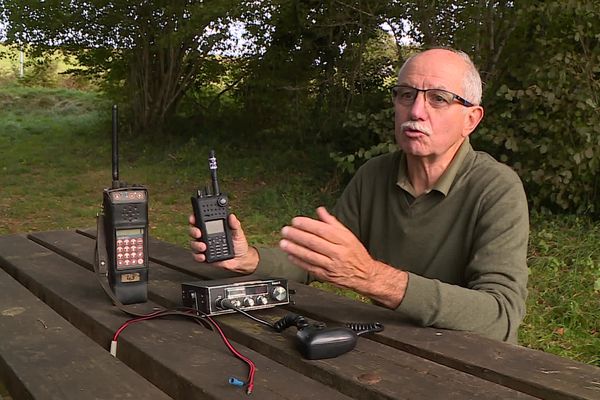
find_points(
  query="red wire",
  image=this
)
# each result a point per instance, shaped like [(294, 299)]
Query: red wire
[(236, 353), (131, 321), (251, 365)]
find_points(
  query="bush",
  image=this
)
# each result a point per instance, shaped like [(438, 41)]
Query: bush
[(545, 119)]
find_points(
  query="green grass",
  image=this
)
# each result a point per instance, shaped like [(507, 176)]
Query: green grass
[(55, 147), (564, 291)]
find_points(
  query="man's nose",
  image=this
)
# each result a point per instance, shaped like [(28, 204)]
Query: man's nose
[(418, 109)]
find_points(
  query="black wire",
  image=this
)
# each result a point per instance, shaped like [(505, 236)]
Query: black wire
[(270, 325), (226, 303)]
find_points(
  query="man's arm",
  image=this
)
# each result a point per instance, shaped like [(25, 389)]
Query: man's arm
[(492, 303), (329, 251)]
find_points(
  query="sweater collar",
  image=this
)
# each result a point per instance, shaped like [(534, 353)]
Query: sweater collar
[(444, 183)]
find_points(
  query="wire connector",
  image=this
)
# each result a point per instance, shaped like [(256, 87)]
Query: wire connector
[(113, 348), (236, 382)]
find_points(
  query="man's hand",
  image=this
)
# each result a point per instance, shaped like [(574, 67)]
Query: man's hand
[(245, 260), (332, 253)]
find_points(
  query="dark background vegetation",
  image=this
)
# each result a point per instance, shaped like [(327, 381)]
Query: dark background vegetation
[(293, 103)]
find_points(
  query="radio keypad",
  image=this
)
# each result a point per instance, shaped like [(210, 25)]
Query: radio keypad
[(130, 251), (217, 246)]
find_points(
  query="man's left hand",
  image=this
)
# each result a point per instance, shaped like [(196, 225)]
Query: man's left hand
[(328, 250)]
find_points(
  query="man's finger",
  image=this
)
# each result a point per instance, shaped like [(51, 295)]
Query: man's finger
[(195, 232), (305, 254), (328, 218), (308, 240), (198, 247), (318, 228)]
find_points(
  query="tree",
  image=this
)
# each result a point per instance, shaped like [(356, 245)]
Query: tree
[(540, 62), (151, 50)]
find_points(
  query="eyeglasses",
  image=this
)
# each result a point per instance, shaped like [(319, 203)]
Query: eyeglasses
[(436, 98)]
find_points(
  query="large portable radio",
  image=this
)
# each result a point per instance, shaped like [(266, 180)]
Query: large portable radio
[(123, 232)]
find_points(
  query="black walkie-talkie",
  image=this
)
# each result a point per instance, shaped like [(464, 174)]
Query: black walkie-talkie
[(211, 213), (125, 215)]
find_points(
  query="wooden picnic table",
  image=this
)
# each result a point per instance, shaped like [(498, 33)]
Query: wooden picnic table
[(56, 324)]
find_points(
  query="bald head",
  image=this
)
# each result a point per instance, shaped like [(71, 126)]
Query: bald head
[(450, 62)]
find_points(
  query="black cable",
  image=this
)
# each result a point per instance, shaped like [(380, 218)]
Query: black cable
[(362, 328), (226, 303)]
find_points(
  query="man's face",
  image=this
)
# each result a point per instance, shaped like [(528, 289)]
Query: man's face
[(436, 132)]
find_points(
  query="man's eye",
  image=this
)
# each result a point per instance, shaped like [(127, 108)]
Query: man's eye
[(438, 98), (407, 94)]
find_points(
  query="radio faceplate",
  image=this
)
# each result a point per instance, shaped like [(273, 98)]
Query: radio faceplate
[(245, 293)]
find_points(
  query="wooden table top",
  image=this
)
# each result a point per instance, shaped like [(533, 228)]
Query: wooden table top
[(56, 324)]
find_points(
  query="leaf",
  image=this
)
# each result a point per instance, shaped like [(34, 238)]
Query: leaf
[(560, 331), (597, 285), (589, 153)]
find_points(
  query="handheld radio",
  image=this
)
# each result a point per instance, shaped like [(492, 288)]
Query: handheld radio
[(123, 227), (211, 213)]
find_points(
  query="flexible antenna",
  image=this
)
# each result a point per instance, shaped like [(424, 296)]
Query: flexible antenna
[(212, 165), (115, 146)]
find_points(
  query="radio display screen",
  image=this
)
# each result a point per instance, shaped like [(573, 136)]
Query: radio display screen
[(258, 289), (215, 226)]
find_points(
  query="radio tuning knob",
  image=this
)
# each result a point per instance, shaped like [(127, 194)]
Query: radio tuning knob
[(248, 302), (279, 293), (262, 300)]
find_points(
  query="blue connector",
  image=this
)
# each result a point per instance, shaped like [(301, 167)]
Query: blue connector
[(236, 382)]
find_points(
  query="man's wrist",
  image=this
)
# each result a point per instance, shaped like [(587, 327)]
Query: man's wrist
[(387, 285), (251, 259)]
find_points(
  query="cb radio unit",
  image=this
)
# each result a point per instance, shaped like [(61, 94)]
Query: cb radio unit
[(224, 296), (123, 232)]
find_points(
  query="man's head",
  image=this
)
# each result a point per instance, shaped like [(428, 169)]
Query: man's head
[(433, 120)]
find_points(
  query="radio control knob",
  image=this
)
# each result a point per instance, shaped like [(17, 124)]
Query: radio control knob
[(262, 301), (236, 303), (279, 293), (248, 302)]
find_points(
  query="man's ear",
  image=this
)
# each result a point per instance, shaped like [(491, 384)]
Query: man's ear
[(473, 116)]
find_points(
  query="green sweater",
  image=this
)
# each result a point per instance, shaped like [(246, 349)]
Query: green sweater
[(464, 243)]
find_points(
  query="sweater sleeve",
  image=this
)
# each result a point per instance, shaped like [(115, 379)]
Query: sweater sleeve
[(273, 262), (492, 303)]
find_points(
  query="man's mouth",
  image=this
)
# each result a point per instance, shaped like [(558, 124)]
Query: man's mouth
[(413, 129)]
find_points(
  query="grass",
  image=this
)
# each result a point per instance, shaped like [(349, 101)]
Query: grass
[(564, 293), (55, 147)]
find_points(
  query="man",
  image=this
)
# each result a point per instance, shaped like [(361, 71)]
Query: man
[(436, 231)]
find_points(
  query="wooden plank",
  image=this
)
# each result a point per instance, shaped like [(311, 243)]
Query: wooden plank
[(42, 356), (178, 356), (371, 369), (534, 372)]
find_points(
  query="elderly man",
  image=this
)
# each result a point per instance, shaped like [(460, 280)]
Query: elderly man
[(436, 231)]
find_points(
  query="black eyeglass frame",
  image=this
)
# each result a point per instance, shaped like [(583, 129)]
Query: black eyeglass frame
[(460, 100)]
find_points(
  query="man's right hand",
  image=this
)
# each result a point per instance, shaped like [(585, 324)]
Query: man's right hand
[(246, 257)]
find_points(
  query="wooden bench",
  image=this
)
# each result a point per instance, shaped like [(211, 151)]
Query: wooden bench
[(179, 359)]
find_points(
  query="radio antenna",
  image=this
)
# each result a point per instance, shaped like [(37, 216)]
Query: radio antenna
[(212, 165), (115, 147)]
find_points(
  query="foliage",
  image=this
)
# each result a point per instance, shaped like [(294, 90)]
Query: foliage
[(382, 124), (314, 73), (149, 52), (541, 118), (321, 59), (544, 118)]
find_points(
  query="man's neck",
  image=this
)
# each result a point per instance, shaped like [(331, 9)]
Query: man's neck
[(424, 172)]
